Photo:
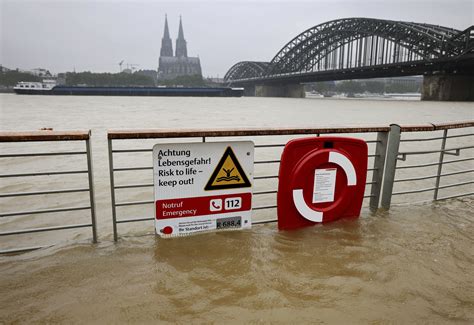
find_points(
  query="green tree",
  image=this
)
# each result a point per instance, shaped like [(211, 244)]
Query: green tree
[(108, 79), (11, 77), (350, 87), (402, 88), (375, 87), (187, 81), (324, 87)]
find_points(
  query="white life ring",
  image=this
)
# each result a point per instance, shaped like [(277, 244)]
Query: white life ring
[(298, 198)]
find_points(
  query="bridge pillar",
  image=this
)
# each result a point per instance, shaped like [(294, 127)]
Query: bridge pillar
[(445, 87), (291, 90), (249, 91)]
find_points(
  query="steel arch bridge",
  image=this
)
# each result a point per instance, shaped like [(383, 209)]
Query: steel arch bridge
[(247, 69), (355, 46)]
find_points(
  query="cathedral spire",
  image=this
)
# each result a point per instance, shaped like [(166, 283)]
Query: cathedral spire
[(181, 49), (166, 43), (180, 33)]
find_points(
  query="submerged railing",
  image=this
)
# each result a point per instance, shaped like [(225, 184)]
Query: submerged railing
[(17, 179), (395, 155), (262, 138), (384, 153), (398, 167)]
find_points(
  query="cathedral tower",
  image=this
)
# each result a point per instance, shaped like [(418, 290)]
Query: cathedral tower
[(166, 43), (169, 66), (181, 50)]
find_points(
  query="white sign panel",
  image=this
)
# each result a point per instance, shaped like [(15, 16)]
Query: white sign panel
[(202, 186), (324, 185)]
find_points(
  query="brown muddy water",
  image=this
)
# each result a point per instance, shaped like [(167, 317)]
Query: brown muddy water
[(411, 264)]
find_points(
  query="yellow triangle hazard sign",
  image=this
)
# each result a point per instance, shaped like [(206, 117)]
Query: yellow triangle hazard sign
[(228, 173)]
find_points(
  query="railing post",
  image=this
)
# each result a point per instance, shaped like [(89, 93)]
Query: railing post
[(440, 166), (112, 189), (391, 165), (377, 174), (90, 173)]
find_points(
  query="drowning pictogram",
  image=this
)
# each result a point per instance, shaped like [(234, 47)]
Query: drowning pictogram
[(228, 176), (228, 173)]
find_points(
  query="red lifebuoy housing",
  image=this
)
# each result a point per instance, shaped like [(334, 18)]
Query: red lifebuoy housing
[(321, 179)]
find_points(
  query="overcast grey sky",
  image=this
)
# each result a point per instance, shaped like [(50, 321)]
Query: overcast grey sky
[(95, 35)]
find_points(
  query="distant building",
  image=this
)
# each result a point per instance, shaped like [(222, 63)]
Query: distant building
[(216, 80), (169, 66), (407, 81), (40, 72), (61, 79)]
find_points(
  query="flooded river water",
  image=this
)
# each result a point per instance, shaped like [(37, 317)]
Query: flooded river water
[(413, 263)]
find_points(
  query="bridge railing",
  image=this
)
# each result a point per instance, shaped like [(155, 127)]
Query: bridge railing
[(26, 186)]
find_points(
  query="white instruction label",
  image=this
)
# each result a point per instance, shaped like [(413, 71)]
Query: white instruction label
[(324, 185)]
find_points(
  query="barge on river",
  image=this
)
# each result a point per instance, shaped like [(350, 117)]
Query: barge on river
[(50, 88)]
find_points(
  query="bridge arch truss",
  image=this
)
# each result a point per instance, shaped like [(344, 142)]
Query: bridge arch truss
[(357, 43), (247, 70)]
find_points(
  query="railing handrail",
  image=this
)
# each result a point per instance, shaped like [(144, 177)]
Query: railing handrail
[(454, 125), (416, 127), (221, 132), (44, 135), (436, 126)]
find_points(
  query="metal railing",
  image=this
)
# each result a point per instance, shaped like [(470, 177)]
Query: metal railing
[(17, 179), (390, 157), (377, 150), (394, 155)]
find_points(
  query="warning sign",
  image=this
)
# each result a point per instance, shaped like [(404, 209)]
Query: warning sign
[(202, 186), (228, 173)]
